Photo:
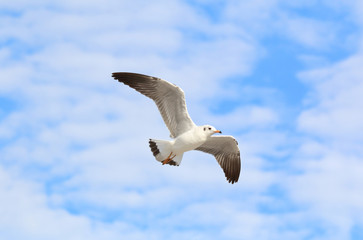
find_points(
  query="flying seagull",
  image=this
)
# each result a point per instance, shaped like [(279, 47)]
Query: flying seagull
[(186, 135)]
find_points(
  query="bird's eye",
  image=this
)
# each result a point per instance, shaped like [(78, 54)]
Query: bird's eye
[(209, 128)]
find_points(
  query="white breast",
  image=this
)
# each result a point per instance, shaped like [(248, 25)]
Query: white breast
[(189, 141)]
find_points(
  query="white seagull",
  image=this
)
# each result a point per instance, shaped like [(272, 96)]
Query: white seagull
[(187, 136)]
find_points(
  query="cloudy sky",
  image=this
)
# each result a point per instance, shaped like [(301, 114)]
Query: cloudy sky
[(284, 77)]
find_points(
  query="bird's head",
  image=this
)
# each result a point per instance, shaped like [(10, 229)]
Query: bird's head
[(210, 130)]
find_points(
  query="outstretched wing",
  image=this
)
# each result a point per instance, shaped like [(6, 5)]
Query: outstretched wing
[(168, 97), (226, 151)]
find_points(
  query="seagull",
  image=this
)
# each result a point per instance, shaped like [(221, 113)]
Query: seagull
[(185, 134)]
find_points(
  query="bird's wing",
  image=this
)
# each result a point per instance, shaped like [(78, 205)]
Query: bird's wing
[(168, 97), (226, 151)]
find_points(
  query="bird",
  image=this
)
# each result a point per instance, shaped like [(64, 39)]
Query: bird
[(185, 134)]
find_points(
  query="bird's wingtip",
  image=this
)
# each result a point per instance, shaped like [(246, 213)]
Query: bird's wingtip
[(114, 75)]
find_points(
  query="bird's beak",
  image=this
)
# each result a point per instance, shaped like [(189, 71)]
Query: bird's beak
[(217, 131)]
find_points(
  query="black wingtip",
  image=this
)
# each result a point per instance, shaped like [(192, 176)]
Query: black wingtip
[(128, 74), (117, 75), (232, 181)]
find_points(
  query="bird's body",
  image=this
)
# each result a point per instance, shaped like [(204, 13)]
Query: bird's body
[(187, 136), (189, 140)]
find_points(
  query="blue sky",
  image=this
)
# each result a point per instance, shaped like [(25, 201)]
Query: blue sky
[(283, 77)]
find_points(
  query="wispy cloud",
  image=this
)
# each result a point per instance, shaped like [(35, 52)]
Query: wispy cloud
[(74, 158)]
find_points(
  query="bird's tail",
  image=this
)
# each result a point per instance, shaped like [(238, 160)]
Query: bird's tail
[(162, 149)]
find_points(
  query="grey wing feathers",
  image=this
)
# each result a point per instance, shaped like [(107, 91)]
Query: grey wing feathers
[(168, 97), (226, 151)]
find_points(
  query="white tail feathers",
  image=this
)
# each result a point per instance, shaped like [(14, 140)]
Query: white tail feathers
[(161, 150)]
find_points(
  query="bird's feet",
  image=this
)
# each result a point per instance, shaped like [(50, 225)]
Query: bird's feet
[(168, 159)]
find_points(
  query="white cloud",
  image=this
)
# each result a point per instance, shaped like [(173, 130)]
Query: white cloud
[(330, 180), (337, 93), (26, 214), (254, 16), (308, 32), (75, 152), (83, 137)]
